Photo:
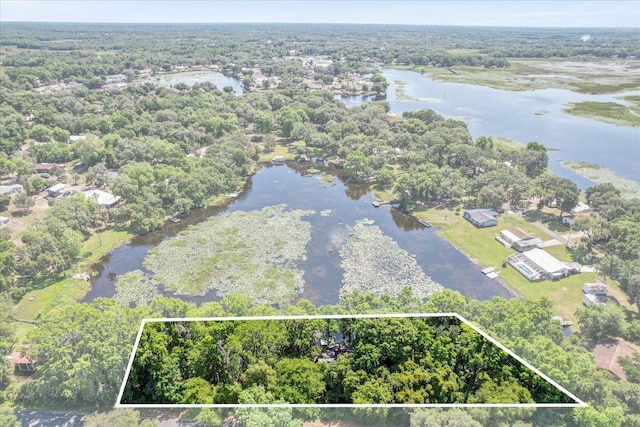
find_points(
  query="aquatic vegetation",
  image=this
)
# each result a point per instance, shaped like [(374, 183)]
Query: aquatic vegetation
[(135, 289), (254, 253), (596, 173), (373, 262)]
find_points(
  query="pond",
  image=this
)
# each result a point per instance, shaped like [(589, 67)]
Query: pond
[(524, 116), (293, 186), (192, 77)]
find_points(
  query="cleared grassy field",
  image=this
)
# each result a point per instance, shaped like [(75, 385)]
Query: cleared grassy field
[(65, 292)]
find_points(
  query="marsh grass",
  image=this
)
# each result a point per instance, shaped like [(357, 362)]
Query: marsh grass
[(608, 112), (628, 188)]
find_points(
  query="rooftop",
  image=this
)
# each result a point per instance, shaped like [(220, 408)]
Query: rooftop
[(102, 197), (545, 260)]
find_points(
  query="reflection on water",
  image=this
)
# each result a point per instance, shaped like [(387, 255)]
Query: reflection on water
[(348, 203)]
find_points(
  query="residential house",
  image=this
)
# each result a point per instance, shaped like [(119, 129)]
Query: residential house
[(519, 239), (10, 190), (538, 264), (594, 293), (581, 208), (104, 199), (57, 190), (43, 167), (22, 365), (74, 138), (481, 217)]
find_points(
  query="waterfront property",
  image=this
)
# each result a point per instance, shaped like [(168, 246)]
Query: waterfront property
[(104, 199), (278, 160), (538, 264), (518, 239), (481, 217)]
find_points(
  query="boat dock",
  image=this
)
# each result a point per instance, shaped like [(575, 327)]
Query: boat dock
[(490, 272), (425, 223)]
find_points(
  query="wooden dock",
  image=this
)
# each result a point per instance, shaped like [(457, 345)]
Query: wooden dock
[(425, 223)]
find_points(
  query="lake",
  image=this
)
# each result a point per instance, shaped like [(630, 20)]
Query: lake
[(290, 185), (192, 77), (524, 116)]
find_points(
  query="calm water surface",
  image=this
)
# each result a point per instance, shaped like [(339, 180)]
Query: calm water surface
[(525, 116), (273, 185), (192, 77)]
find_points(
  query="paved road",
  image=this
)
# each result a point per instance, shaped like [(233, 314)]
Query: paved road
[(556, 236), (74, 419), (50, 418)]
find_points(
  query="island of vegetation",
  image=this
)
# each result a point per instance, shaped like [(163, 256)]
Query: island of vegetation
[(94, 150)]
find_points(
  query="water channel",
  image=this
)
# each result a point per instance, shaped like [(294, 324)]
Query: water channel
[(293, 186)]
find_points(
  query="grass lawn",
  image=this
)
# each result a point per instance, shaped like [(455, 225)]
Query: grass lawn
[(67, 291), (98, 245), (281, 150), (482, 247)]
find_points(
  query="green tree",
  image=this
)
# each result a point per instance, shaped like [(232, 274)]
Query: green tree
[(23, 202), (631, 366), (300, 381), (9, 419), (598, 417), (4, 202), (601, 321), (81, 351), (118, 418), (358, 166)]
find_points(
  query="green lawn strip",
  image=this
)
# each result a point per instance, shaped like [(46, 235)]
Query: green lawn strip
[(64, 292), (281, 150), (609, 112), (99, 244), (480, 245), (22, 329), (560, 252)]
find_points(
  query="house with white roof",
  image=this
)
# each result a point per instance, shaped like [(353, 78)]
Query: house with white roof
[(104, 199), (538, 264)]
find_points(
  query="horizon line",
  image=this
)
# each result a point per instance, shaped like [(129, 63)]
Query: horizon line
[(317, 23)]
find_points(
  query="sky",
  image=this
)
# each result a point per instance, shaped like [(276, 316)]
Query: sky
[(510, 13)]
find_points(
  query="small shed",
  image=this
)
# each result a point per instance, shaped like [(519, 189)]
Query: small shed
[(481, 217), (4, 221)]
